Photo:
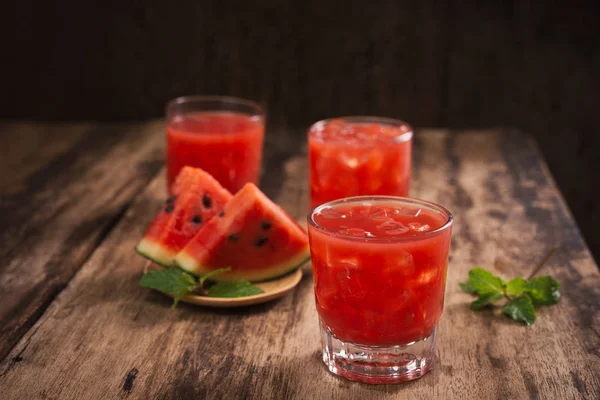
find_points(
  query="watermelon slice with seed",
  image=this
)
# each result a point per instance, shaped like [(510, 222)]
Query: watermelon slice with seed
[(197, 196), (252, 235)]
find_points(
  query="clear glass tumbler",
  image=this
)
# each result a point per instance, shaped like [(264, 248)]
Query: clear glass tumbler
[(222, 135), (357, 156), (379, 269)]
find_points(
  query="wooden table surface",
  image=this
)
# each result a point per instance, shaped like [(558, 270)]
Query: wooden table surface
[(74, 324)]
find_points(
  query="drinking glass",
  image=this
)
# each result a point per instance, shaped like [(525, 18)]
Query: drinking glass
[(379, 269), (356, 156), (222, 135)]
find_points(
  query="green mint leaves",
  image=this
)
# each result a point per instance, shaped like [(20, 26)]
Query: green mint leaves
[(482, 282), (544, 290), (178, 283), (520, 309), (486, 299), (233, 289), (516, 287), (521, 294), (172, 281)]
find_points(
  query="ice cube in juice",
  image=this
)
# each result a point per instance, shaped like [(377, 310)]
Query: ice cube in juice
[(379, 269)]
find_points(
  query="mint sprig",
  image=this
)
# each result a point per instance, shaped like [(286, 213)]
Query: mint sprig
[(179, 283), (522, 294)]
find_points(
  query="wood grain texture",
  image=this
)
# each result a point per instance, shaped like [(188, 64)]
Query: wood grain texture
[(59, 198), (105, 337)]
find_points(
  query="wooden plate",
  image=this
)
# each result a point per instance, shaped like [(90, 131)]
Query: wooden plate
[(273, 289)]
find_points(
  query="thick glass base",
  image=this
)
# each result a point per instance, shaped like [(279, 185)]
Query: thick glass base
[(377, 364)]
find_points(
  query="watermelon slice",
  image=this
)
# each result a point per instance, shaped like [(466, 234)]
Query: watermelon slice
[(197, 196), (252, 235)]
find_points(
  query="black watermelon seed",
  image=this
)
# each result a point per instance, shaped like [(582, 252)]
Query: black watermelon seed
[(234, 237), (171, 199), (266, 225), (197, 219), (222, 214), (261, 241), (169, 208), (206, 200)]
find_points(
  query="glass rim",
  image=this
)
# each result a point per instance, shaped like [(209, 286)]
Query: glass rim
[(416, 236), (259, 110), (357, 119)]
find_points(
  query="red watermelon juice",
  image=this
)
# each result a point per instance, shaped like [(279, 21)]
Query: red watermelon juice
[(225, 143), (379, 270), (355, 156)]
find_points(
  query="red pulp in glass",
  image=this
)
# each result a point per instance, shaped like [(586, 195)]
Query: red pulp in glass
[(355, 158), (227, 145), (379, 270)]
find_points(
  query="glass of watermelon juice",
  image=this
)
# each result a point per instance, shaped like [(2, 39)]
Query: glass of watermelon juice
[(221, 135), (379, 270), (357, 156)]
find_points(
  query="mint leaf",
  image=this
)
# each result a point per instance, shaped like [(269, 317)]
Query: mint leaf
[(466, 287), (234, 289), (486, 299), (172, 281), (483, 282), (520, 309), (209, 275), (543, 290), (516, 287), (521, 294)]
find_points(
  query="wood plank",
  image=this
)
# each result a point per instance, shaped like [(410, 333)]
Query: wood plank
[(28, 147), (62, 195), (105, 337)]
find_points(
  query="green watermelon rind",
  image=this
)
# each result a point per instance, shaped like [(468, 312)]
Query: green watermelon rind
[(295, 261), (155, 253)]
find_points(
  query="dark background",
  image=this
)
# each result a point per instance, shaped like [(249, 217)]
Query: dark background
[(532, 65)]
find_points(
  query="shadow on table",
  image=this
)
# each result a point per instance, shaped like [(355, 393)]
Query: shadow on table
[(120, 295)]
